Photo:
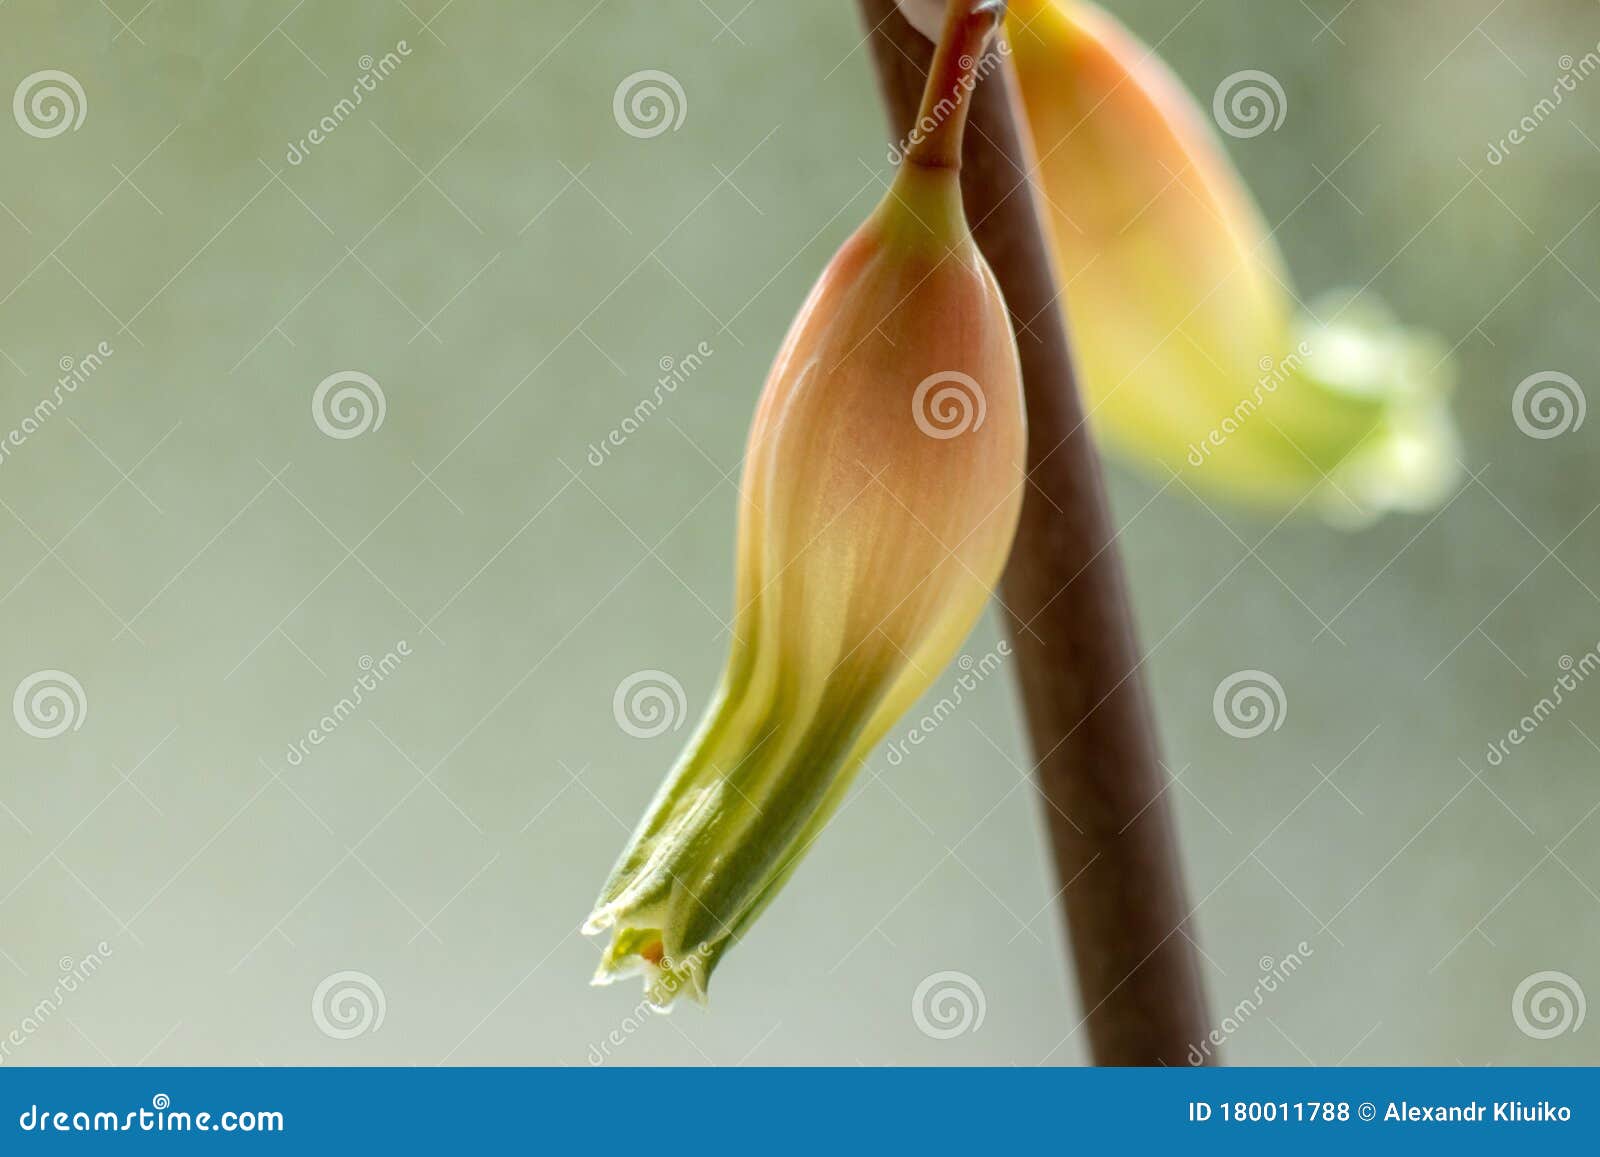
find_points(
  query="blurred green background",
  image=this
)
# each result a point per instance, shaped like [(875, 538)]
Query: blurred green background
[(513, 270)]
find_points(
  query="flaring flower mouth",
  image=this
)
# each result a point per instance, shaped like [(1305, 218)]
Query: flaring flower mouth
[(641, 952), (1399, 382)]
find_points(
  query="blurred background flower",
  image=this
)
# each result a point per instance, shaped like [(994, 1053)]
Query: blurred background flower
[(1196, 352)]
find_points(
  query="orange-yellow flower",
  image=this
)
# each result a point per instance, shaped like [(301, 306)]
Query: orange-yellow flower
[(1194, 352), (881, 489)]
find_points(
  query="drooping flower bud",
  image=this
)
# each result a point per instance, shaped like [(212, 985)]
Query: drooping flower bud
[(881, 489), (1193, 352)]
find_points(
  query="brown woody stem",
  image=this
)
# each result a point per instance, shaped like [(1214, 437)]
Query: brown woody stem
[(1089, 717)]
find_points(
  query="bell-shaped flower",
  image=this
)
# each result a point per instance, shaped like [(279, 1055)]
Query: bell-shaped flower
[(1194, 351), (882, 485)]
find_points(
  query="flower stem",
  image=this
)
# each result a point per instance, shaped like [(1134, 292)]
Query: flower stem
[(1089, 716), (935, 140)]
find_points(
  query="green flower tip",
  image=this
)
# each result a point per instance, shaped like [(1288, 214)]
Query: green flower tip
[(1399, 382), (642, 951)]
